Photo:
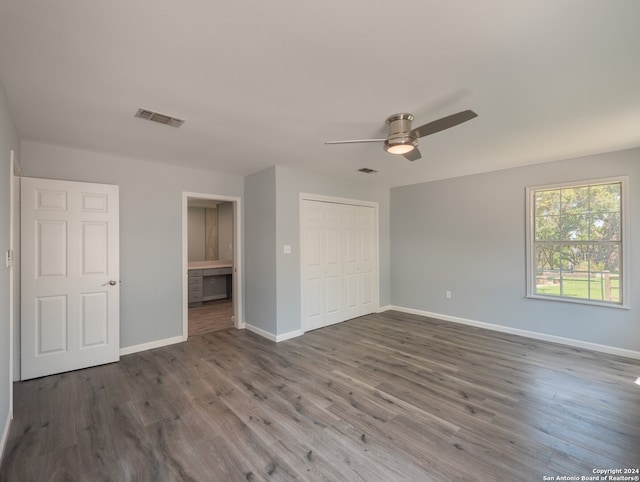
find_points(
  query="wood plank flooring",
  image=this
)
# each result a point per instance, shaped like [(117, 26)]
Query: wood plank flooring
[(211, 316), (385, 397)]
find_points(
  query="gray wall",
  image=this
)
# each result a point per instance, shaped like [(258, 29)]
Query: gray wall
[(196, 234), (8, 142), (467, 235), (259, 250), (289, 184), (225, 231), (150, 228)]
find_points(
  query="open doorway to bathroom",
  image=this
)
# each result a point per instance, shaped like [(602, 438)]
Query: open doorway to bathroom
[(211, 258)]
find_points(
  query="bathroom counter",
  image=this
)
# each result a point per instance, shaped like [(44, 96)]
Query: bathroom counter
[(210, 264)]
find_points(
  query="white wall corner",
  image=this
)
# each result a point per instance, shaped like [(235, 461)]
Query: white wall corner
[(259, 331), (289, 335), (611, 350)]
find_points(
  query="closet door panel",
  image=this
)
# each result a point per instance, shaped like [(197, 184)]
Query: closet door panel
[(338, 262)]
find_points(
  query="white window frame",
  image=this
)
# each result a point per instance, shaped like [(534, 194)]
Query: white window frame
[(625, 228)]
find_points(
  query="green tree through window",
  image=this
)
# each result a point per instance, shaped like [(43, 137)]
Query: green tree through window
[(576, 241)]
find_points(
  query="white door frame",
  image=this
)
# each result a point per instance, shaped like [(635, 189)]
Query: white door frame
[(237, 257), (338, 200), (14, 196), (15, 279)]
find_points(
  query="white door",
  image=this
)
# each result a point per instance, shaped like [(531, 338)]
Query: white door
[(339, 267), (359, 260), (323, 288), (70, 310)]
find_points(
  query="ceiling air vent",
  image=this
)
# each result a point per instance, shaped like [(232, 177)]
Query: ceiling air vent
[(160, 118), (366, 170)]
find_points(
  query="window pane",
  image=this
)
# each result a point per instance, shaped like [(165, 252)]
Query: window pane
[(547, 269), (575, 227), (604, 203), (547, 228), (547, 258), (574, 281), (547, 202), (574, 257), (605, 198), (605, 226), (606, 257), (605, 272), (574, 200)]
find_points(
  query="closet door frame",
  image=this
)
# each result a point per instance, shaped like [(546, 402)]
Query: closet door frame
[(376, 248)]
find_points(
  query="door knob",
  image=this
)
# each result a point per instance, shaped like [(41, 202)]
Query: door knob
[(111, 282)]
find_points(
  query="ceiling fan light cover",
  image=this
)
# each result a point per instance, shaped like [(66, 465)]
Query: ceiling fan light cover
[(398, 148)]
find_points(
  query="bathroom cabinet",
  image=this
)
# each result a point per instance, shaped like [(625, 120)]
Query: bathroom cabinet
[(209, 284)]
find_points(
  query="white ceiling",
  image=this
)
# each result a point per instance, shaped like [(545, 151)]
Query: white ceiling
[(264, 83)]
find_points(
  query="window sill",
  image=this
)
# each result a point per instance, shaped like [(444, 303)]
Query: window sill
[(579, 301)]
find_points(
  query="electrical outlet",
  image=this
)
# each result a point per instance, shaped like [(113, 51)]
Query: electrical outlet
[(287, 249), (9, 258), (448, 294)]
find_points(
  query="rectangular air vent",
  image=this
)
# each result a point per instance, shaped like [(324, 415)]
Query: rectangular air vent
[(366, 170), (159, 118)]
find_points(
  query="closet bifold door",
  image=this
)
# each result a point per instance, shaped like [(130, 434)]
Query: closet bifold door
[(338, 262)]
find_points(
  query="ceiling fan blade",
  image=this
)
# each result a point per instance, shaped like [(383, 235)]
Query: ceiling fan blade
[(354, 141), (413, 155), (444, 123)]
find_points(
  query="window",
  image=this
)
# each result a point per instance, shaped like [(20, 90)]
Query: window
[(575, 242)]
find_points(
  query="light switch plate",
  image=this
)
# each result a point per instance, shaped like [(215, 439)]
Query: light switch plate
[(9, 258), (286, 249)]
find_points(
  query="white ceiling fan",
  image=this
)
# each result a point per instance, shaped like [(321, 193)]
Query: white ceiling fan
[(402, 139)]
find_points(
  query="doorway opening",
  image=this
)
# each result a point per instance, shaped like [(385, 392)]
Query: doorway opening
[(211, 257)]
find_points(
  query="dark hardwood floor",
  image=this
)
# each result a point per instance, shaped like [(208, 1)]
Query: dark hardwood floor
[(211, 316), (384, 397)]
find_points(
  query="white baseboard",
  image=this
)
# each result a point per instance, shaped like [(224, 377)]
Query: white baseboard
[(289, 335), (179, 339), (5, 433), (259, 331), (612, 350), (151, 345), (382, 309), (270, 336)]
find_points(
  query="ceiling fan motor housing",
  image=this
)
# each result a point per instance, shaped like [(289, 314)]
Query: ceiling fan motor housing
[(400, 131)]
